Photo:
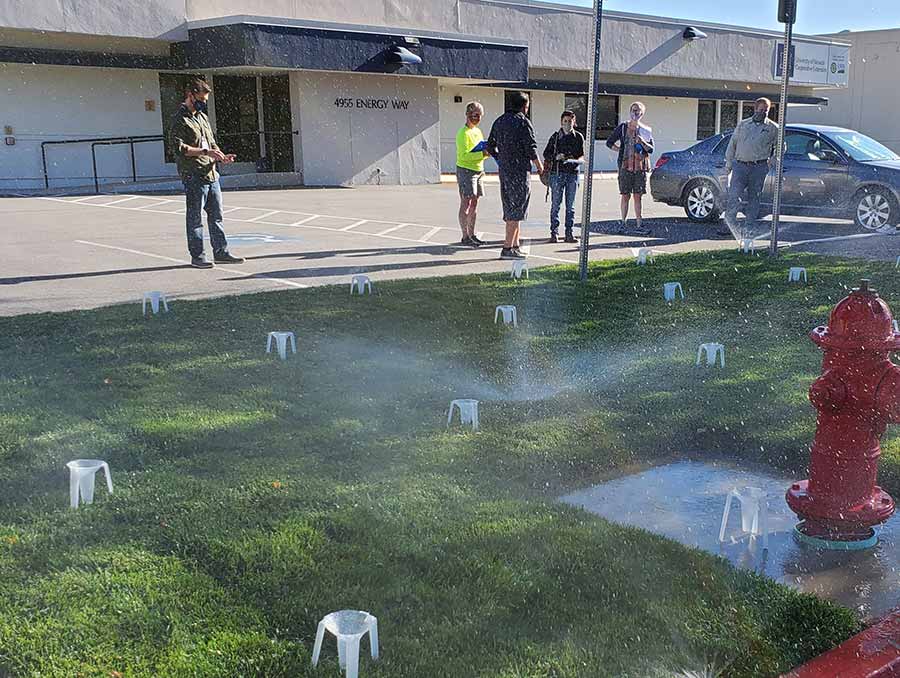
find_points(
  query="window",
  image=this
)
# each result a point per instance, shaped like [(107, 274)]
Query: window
[(728, 114), (746, 110), (507, 105), (706, 118), (801, 146), (171, 94), (607, 114)]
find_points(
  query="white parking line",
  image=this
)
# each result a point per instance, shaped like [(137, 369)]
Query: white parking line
[(303, 221), (263, 215), (391, 229), (353, 225), (116, 202), (289, 283), (430, 233), (339, 230), (125, 249), (147, 207)]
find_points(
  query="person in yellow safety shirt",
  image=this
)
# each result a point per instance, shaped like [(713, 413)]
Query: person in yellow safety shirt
[(470, 172)]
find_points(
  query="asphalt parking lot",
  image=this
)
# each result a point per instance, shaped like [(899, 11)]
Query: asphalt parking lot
[(82, 251)]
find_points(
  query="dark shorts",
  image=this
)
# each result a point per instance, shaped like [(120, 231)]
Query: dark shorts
[(515, 193), (469, 182), (632, 182)]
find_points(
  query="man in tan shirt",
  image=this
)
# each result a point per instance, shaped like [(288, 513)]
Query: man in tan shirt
[(748, 159)]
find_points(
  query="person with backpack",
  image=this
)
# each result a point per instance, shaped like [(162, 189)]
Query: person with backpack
[(563, 156)]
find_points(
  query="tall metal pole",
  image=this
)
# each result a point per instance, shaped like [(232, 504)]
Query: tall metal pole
[(779, 149), (590, 133)]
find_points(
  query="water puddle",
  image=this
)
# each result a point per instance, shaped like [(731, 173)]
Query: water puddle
[(684, 501)]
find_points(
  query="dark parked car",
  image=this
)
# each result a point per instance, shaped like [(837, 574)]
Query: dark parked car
[(828, 172)]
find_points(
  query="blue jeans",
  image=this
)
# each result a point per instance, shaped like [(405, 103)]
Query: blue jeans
[(562, 183), (202, 195), (750, 179)]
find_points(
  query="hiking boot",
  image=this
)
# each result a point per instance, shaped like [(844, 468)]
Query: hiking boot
[(201, 262), (227, 258)]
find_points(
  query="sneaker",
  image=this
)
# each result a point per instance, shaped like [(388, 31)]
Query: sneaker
[(468, 241), (227, 258), (519, 253), (201, 262), (478, 241), (570, 238), (511, 253), (553, 238)]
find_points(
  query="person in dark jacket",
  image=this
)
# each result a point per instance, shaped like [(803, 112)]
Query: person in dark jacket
[(511, 143), (634, 142), (562, 158)]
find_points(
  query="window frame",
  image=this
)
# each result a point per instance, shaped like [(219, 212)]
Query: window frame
[(601, 133), (715, 118)]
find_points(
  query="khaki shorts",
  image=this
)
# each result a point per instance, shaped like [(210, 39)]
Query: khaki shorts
[(469, 181)]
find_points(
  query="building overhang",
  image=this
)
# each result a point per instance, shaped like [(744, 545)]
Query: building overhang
[(248, 44), (639, 89), (343, 49)]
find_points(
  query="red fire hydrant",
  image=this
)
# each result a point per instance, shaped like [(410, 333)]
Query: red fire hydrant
[(857, 396)]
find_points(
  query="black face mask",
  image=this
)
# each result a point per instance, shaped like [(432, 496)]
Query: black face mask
[(759, 117), (200, 106)]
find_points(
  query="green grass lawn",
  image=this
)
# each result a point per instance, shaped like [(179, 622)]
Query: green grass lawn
[(254, 496)]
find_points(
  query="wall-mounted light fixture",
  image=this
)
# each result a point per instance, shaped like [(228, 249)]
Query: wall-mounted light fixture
[(690, 34), (401, 55)]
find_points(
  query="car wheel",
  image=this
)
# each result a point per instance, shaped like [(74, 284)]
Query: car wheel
[(875, 208), (701, 201)]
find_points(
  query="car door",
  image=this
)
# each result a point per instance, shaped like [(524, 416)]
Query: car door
[(815, 175)]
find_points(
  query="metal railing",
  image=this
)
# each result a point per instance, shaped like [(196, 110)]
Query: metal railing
[(131, 141), (95, 141)]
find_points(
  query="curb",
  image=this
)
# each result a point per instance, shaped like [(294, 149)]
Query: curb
[(874, 653)]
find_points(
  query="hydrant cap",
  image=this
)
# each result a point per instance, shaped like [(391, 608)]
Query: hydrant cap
[(861, 320)]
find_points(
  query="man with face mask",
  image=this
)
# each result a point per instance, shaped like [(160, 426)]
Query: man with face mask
[(562, 158), (195, 148), (634, 142), (748, 159)]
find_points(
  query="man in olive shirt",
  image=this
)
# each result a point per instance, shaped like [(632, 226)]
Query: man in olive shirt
[(747, 159), (195, 148)]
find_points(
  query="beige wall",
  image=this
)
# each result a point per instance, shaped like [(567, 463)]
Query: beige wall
[(351, 145), (58, 102), (871, 102)]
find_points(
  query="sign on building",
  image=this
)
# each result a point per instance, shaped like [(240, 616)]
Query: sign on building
[(816, 64)]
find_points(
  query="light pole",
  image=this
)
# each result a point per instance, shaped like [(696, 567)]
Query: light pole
[(590, 133), (787, 14)]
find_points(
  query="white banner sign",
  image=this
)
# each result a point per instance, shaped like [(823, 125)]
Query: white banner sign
[(811, 63)]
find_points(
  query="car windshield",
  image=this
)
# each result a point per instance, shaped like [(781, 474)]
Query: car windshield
[(862, 148)]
